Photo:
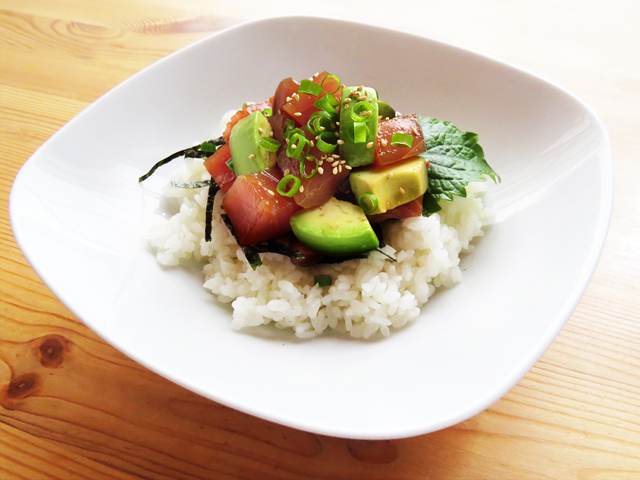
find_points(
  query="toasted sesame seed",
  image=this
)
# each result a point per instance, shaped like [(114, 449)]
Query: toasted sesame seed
[(312, 144), (335, 170), (298, 114), (320, 170), (288, 99), (270, 192), (366, 113), (347, 99), (335, 155), (360, 87), (287, 172), (401, 189), (322, 128), (339, 168), (348, 167), (384, 143), (389, 175), (337, 134), (296, 96), (415, 131), (337, 110), (316, 74), (379, 117), (271, 133), (342, 162), (370, 144), (309, 158), (260, 130), (338, 123), (346, 106), (336, 163), (340, 142), (362, 98), (253, 155), (301, 189), (260, 184)]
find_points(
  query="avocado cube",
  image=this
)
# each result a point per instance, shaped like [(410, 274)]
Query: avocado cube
[(335, 228), (246, 153), (393, 185), (358, 152)]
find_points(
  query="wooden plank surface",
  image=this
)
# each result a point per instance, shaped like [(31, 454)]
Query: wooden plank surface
[(73, 407)]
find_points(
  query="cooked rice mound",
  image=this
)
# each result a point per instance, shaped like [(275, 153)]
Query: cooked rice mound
[(367, 296)]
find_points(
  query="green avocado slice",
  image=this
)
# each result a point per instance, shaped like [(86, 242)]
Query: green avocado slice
[(335, 228), (246, 153)]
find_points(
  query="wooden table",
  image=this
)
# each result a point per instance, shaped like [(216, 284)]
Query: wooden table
[(73, 407)]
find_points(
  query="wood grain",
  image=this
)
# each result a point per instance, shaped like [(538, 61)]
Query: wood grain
[(73, 407)]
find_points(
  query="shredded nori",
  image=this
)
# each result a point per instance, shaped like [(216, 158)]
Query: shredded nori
[(191, 152), (377, 229), (252, 252), (190, 185), (213, 189)]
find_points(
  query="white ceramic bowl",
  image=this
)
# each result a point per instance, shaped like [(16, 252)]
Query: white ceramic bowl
[(81, 219)]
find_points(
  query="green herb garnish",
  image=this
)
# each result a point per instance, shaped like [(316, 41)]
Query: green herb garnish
[(323, 280), (455, 160)]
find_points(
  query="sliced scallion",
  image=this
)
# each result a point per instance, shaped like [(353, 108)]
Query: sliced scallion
[(267, 112), (269, 144), (325, 79), (319, 122), (297, 146), (282, 186), (361, 108), (327, 103), (401, 140), (323, 280), (360, 132), (309, 158), (327, 142), (230, 165), (368, 202), (307, 86)]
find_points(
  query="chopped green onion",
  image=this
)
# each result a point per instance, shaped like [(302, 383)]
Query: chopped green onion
[(267, 112), (360, 132), (317, 120), (368, 202), (296, 146), (327, 103), (362, 107), (315, 170), (288, 125), (323, 145), (208, 147), (269, 144), (325, 79), (230, 165), (323, 280), (307, 86), (401, 140), (282, 185)]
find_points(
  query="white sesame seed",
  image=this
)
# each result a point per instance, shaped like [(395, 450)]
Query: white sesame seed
[(296, 96), (287, 172), (337, 134), (340, 142), (301, 189), (384, 143), (335, 170), (339, 168), (271, 133), (379, 117), (415, 131), (312, 144), (316, 74), (348, 167), (320, 170), (370, 144), (260, 130), (335, 155), (347, 99), (401, 189), (298, 114), (260, 184), (270, 192), (336, 163), (366, 113), (253, 155), (288, 99), (338, 123), (389, 175), (342, 162)]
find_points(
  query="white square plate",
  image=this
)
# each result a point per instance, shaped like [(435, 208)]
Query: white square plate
[(81, 219)]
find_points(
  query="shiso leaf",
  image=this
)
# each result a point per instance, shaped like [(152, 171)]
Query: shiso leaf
[(455, 159)]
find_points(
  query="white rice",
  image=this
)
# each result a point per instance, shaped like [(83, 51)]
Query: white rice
[(367, 296)]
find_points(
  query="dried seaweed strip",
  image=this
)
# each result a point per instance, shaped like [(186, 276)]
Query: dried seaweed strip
[(191, 185), (213, 189)]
